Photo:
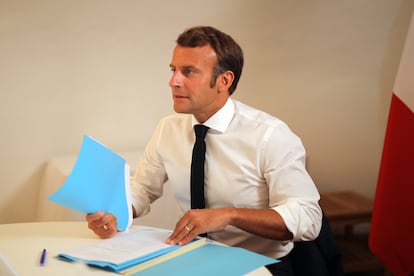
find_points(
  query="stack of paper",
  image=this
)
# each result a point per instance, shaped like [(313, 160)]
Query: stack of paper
[(99, 182), (144, 252)]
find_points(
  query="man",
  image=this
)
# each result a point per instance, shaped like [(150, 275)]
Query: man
[(258, 194)]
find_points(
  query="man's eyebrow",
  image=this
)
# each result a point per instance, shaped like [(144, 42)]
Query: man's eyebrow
[(185, 67), (192, 67)]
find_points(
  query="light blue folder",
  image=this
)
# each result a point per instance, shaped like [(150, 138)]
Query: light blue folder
[(210, 259), (99, 181)]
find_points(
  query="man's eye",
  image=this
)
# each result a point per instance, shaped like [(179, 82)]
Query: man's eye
[(188, 71)]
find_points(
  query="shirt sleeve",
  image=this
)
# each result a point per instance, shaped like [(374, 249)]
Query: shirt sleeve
[(292, 192), (150, 176)]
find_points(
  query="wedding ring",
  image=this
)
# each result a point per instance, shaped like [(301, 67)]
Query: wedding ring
[(187, 228), (105, 227)]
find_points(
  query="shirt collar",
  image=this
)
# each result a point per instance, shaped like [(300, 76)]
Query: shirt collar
[(220, 121)]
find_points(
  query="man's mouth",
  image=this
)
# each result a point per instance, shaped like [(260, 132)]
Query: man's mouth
[(178, 97)]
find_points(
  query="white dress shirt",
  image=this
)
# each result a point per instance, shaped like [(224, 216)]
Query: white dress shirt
[(253, 160)]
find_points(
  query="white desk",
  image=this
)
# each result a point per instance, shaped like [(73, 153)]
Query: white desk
[(21, 245), (164, 212)]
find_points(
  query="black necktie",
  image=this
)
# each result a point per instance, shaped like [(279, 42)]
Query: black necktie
[(197, 168)]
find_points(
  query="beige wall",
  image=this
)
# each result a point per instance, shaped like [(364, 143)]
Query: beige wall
[(100, 67)]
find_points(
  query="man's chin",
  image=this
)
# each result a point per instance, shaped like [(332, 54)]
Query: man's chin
[(181, 109)]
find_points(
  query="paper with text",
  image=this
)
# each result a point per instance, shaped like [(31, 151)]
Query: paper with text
[(124, 250)]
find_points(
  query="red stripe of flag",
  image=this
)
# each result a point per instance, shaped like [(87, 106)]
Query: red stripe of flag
[(392, 226)]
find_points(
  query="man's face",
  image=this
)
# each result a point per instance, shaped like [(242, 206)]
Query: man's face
[(190, 83)]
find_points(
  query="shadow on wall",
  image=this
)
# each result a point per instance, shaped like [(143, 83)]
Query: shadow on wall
[(21, 206)]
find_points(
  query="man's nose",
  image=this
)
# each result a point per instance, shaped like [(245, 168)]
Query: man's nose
[(176, 80)]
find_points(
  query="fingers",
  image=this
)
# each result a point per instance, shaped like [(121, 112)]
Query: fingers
[(182, 236), (186, 229), (103, 225), (94, 216)]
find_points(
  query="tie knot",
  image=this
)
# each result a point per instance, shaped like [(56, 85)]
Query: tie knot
[(200, 131)]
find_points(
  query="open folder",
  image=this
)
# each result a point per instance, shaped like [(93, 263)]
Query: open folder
[(144, 252), (99, 181)]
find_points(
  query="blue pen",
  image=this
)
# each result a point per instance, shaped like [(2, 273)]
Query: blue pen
[(43, 258)]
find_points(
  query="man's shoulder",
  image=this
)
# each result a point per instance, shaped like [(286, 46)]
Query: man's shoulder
[(262, 122), (255, 115)]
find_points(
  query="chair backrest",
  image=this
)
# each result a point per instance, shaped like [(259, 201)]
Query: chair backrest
[(320, 257)]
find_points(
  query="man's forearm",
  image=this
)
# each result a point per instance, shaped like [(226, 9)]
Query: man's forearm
[(264, 222)]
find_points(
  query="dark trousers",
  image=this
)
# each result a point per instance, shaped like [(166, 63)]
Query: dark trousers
[(282, 268)]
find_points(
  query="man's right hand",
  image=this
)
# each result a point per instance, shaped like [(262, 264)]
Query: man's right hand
[(103, 225)]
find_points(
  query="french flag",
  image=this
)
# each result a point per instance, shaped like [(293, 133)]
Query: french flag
[(392, 227)]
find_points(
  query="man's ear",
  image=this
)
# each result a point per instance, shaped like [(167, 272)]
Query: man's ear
[(225, 80)]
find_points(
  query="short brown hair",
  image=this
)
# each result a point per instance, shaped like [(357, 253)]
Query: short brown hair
[(229, 54)]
